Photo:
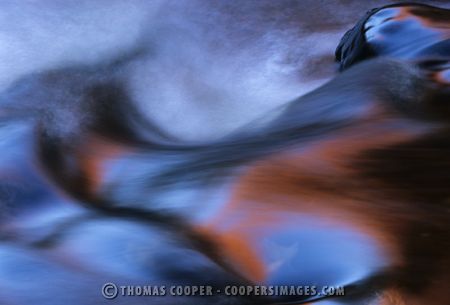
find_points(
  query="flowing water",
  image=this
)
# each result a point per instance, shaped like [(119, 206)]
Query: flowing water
[(200, 142)]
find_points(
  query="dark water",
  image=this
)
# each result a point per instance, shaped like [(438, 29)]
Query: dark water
[(215, 143)]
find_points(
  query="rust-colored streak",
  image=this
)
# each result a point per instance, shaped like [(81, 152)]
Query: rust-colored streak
[(427, 17), (402, 13), (238, 253), (92, 155), (442, 77), (319, 182), (431, 17)]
